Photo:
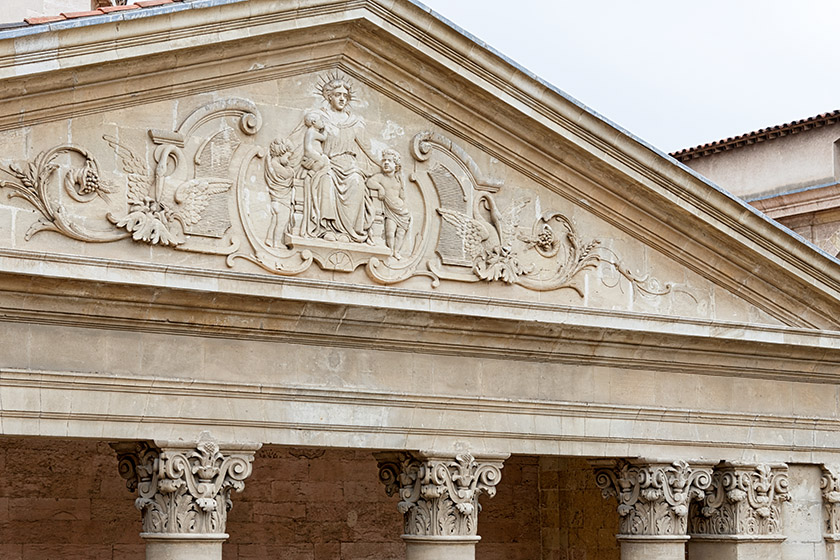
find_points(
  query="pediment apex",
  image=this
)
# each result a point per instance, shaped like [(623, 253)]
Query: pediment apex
[(454, 170)]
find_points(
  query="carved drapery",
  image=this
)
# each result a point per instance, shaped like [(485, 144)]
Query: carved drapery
[(653, 497), (439, 495), (184, 490), (745, 500), (830, 485)]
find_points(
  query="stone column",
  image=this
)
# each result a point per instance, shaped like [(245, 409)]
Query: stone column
[(740, 518), (830, 484), (184, 493), (653, 500), (439, 499)]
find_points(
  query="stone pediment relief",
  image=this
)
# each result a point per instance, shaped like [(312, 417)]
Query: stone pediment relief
[(332, 184)]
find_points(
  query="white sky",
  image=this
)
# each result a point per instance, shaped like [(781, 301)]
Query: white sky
[(675, 73)]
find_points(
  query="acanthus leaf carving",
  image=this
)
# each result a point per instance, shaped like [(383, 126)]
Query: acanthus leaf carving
[(745, 500), (438, 496), (184, 490), (653, 497)]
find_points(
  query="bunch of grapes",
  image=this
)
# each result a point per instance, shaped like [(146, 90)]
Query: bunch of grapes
[(545, 240), (90, 181)]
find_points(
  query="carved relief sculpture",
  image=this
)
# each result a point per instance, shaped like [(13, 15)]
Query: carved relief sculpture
[(830, 485), (279, 177), (438, 494), (184, 490), (389, 186), (331, 199), (745, 500), (653, 498), (338, 206)]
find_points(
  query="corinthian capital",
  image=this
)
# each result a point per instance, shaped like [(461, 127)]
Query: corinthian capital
[(653, 497), (745, 500), (830, 484), (183, 488), (438, 494)]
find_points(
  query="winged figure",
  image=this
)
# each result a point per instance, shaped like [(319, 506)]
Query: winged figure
[(496, 259), (472, 232), (149, 218)]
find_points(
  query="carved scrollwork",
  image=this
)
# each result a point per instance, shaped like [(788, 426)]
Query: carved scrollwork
[(478, 233), (439, 496), (325, 191), (744, 500), (653, 498), (36, 182), (424, 142), (184, 491)]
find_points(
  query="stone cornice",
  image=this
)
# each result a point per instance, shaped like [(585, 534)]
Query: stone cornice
[(614, 429), (419, 322)]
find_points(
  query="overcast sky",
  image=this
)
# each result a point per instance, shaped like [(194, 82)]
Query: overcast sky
[(675, 73)]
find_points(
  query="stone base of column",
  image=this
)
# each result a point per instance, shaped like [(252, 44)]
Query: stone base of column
[(702, 547), (439, 548), (184, 547), (642, 547)]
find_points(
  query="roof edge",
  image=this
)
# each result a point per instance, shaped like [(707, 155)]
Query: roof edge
[(757, 136)]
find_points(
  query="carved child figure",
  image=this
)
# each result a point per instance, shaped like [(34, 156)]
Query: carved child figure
[(389, 187), (279, 175), (314, 158)]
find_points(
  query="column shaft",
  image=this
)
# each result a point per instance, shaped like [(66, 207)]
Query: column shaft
[(183, 549), (440, 548), (652, 548)]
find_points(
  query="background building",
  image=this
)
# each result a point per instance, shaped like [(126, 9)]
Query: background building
[(790, 172)]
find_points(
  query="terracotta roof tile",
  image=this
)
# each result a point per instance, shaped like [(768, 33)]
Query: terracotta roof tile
[(44, 19), (150, 3), (98, 12), (109, 9), (74, 15), (757, 136)]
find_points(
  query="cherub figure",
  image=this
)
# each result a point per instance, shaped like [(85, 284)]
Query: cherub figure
[(280, 176), (314, 158), (389, 187)]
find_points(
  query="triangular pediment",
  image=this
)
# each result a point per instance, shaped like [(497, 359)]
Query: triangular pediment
[(370, 149)]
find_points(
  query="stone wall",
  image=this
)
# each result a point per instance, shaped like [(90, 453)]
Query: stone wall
[(64, 500), (576, 523)]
